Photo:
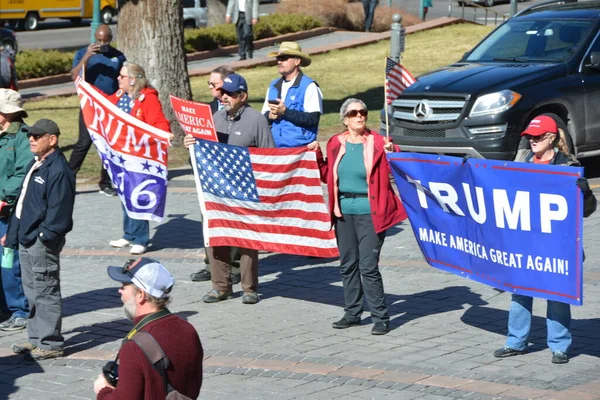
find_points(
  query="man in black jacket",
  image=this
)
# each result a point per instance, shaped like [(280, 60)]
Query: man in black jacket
[(41, 219)]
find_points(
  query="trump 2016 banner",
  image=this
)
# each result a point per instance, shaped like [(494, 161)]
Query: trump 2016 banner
[(263, 199), (514, 226), (134, 153)]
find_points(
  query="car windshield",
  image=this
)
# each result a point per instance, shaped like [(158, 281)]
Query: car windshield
[(532, 40)]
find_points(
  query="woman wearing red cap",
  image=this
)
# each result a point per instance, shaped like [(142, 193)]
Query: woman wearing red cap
[(548, 146)]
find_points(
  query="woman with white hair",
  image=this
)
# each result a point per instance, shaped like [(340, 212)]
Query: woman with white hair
[(363, 206), (137, 97)]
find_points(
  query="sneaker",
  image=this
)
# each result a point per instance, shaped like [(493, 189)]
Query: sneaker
[(235, 279), (344, 323), (560, 357), (137, 249), (507, 352), (250, 298), (23, 347), (42, 354), (108, 191), (380, 328), (214, 296), (120, 243), (200, 276), (14, 324)]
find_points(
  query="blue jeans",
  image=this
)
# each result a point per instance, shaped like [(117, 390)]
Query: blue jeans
[(558, 321), (12, 284), (137, 231), (369, 8)]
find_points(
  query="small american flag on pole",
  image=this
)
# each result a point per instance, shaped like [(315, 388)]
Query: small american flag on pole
[(263, 199), (397, 79)]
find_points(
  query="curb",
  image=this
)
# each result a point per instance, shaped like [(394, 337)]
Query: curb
[(262, 61)]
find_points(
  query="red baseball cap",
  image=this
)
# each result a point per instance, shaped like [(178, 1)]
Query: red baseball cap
[(540, 125)]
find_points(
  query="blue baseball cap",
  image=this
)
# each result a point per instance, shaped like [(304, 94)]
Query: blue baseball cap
[(146, 274), (234, 83)]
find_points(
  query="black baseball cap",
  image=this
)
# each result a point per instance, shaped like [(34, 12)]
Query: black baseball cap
[(41, 127)]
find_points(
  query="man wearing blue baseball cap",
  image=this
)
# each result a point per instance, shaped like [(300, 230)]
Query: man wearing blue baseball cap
[(237, 124), (145, 293)]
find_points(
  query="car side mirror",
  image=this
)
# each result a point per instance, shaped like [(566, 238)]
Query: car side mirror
[(594, 61)]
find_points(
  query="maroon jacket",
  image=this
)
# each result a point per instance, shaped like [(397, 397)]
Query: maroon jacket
[(386, 208), (138, 380)]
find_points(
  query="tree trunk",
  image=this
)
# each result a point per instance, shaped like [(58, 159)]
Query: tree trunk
[(216, 11), (150, 33)]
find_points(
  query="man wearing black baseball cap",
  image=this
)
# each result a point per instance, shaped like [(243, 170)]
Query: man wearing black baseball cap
[(38, 226), (145, 292)]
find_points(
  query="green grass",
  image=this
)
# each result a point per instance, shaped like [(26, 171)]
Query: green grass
[(357, 72)]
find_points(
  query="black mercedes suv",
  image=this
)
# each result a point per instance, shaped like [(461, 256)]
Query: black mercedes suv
[(544, 60)]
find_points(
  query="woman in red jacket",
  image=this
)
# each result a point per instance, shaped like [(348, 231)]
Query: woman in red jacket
[(136, 97), (363, 206)]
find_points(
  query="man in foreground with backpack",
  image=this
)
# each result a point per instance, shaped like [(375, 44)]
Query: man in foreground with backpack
[(172, 344)]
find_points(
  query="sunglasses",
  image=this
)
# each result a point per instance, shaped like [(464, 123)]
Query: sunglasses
[(536, 138), (211, 84), (35, 137), (354, 113), (126, 270), (283, 58)]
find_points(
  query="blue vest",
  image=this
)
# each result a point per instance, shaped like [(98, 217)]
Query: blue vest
[(286, 134)]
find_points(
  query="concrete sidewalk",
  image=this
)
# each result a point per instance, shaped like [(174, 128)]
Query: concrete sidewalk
[(445, 328)]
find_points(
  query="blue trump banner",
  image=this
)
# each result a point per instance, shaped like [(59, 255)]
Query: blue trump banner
[(514, 226)]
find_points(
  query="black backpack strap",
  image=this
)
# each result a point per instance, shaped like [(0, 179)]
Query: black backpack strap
[(155, 354)]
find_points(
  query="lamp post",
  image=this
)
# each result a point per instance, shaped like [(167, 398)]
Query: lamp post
[(95, 19)]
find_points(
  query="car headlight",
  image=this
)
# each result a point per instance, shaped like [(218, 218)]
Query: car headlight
[(494, 103)]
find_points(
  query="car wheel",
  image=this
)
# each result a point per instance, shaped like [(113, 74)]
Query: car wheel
[(31, 21), (106, 15), (189, 24), (75, 21), (489, 3)]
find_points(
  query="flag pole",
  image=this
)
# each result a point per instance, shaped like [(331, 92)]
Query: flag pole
[(385, 104)]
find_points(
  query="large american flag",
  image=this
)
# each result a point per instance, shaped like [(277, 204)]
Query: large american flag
[(397, 79), (263, 199)]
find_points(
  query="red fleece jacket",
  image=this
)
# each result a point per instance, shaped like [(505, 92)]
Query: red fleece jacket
[(138, 380), (147, 108)]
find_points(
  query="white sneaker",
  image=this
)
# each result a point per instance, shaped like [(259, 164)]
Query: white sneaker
[(120, 243), (137, 249)]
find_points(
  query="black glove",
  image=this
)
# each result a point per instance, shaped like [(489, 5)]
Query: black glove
[(583, 185)]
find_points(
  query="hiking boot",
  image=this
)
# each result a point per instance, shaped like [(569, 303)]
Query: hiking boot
[(23, 347), (560, 357), (250, 298), (13, 324), (42, 354), (200, 276), (507, 352), (344, 323), (214, 296), (380, 328)]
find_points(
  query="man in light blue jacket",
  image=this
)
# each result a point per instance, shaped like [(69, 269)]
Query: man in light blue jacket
[(244, 14)]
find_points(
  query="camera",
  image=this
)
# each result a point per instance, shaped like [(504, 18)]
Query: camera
[(103, 48), (111, 373)]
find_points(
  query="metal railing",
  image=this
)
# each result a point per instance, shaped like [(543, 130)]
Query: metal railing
[(497, 17)]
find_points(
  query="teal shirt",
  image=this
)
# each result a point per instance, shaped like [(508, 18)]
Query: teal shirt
[(352, 178)]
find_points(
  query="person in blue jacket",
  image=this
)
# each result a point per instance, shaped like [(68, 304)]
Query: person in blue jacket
[(42, 217), (294, 102)]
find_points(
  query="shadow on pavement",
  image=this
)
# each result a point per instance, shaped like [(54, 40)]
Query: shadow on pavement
[(586, 335), (91, 336), (307, 279), (179, 233), (91, 301), (15, 367)]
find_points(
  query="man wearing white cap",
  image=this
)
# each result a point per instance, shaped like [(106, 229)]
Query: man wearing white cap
[(15, 157), (145, 293), (294, 102)]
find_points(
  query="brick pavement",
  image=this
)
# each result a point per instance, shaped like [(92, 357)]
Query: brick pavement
[(444, 327)]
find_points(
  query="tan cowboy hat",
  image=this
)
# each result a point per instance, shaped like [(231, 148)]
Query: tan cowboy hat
[(292, 49)]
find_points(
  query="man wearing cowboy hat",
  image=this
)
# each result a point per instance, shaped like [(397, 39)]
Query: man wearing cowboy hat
[(15, 157), (294, 102)]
